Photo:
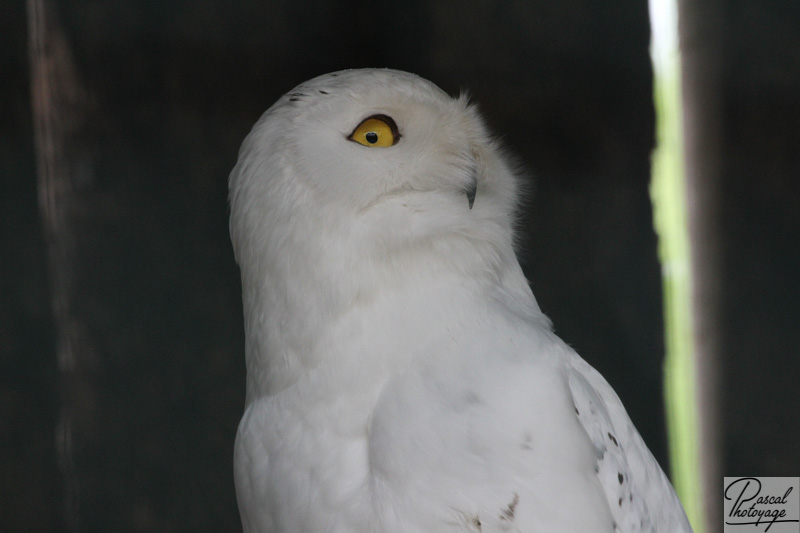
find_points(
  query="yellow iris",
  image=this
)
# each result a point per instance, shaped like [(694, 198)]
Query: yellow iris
[(376, 131)]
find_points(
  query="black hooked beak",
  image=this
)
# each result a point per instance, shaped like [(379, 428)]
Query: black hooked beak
[(472, 189)]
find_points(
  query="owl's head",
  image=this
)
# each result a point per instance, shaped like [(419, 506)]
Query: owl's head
[(381, 154), (356, 187)]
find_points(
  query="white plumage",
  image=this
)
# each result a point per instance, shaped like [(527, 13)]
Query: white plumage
[(401, 377)]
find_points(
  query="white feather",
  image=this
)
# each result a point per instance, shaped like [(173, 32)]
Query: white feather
[(400, 375)]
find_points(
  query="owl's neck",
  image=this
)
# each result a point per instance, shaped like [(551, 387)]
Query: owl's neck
[(338, 295)]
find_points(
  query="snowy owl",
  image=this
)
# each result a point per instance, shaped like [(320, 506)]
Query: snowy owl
[(401, 377)]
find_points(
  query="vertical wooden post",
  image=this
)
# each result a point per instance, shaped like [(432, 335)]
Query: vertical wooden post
[(59, 106), (700, 42)]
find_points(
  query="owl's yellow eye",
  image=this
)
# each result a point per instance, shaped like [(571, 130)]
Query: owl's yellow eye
[(377, 130)]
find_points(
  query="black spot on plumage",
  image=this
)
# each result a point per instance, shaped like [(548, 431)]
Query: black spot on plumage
[(477, 523), (508, 512), (620, 502), (527, 438), (613, 439), (323, 92), (577, 412), (619, 477)]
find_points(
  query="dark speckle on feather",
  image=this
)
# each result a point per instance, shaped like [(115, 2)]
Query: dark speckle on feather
[(613, 439), (323, 92), (508, 512), (477, 523), (619, 477), (472, 397)]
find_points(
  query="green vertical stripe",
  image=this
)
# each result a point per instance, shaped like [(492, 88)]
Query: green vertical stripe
[(668, 194)]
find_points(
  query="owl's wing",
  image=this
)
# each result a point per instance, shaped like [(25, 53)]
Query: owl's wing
[(640, 496)]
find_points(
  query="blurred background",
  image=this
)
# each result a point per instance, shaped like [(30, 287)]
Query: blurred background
[(121, 337)]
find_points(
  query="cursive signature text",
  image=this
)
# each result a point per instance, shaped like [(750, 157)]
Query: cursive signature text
[(764, 508)]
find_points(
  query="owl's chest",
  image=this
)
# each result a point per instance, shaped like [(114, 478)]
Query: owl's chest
[(447, 439), (302, 464), (409, 407)]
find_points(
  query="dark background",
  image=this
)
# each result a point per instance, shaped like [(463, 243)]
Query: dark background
[(121, 337)]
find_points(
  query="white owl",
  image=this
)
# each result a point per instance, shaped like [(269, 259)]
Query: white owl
[(401, 377)]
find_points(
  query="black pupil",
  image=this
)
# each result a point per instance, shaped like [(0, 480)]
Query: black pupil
[(372, 137)]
